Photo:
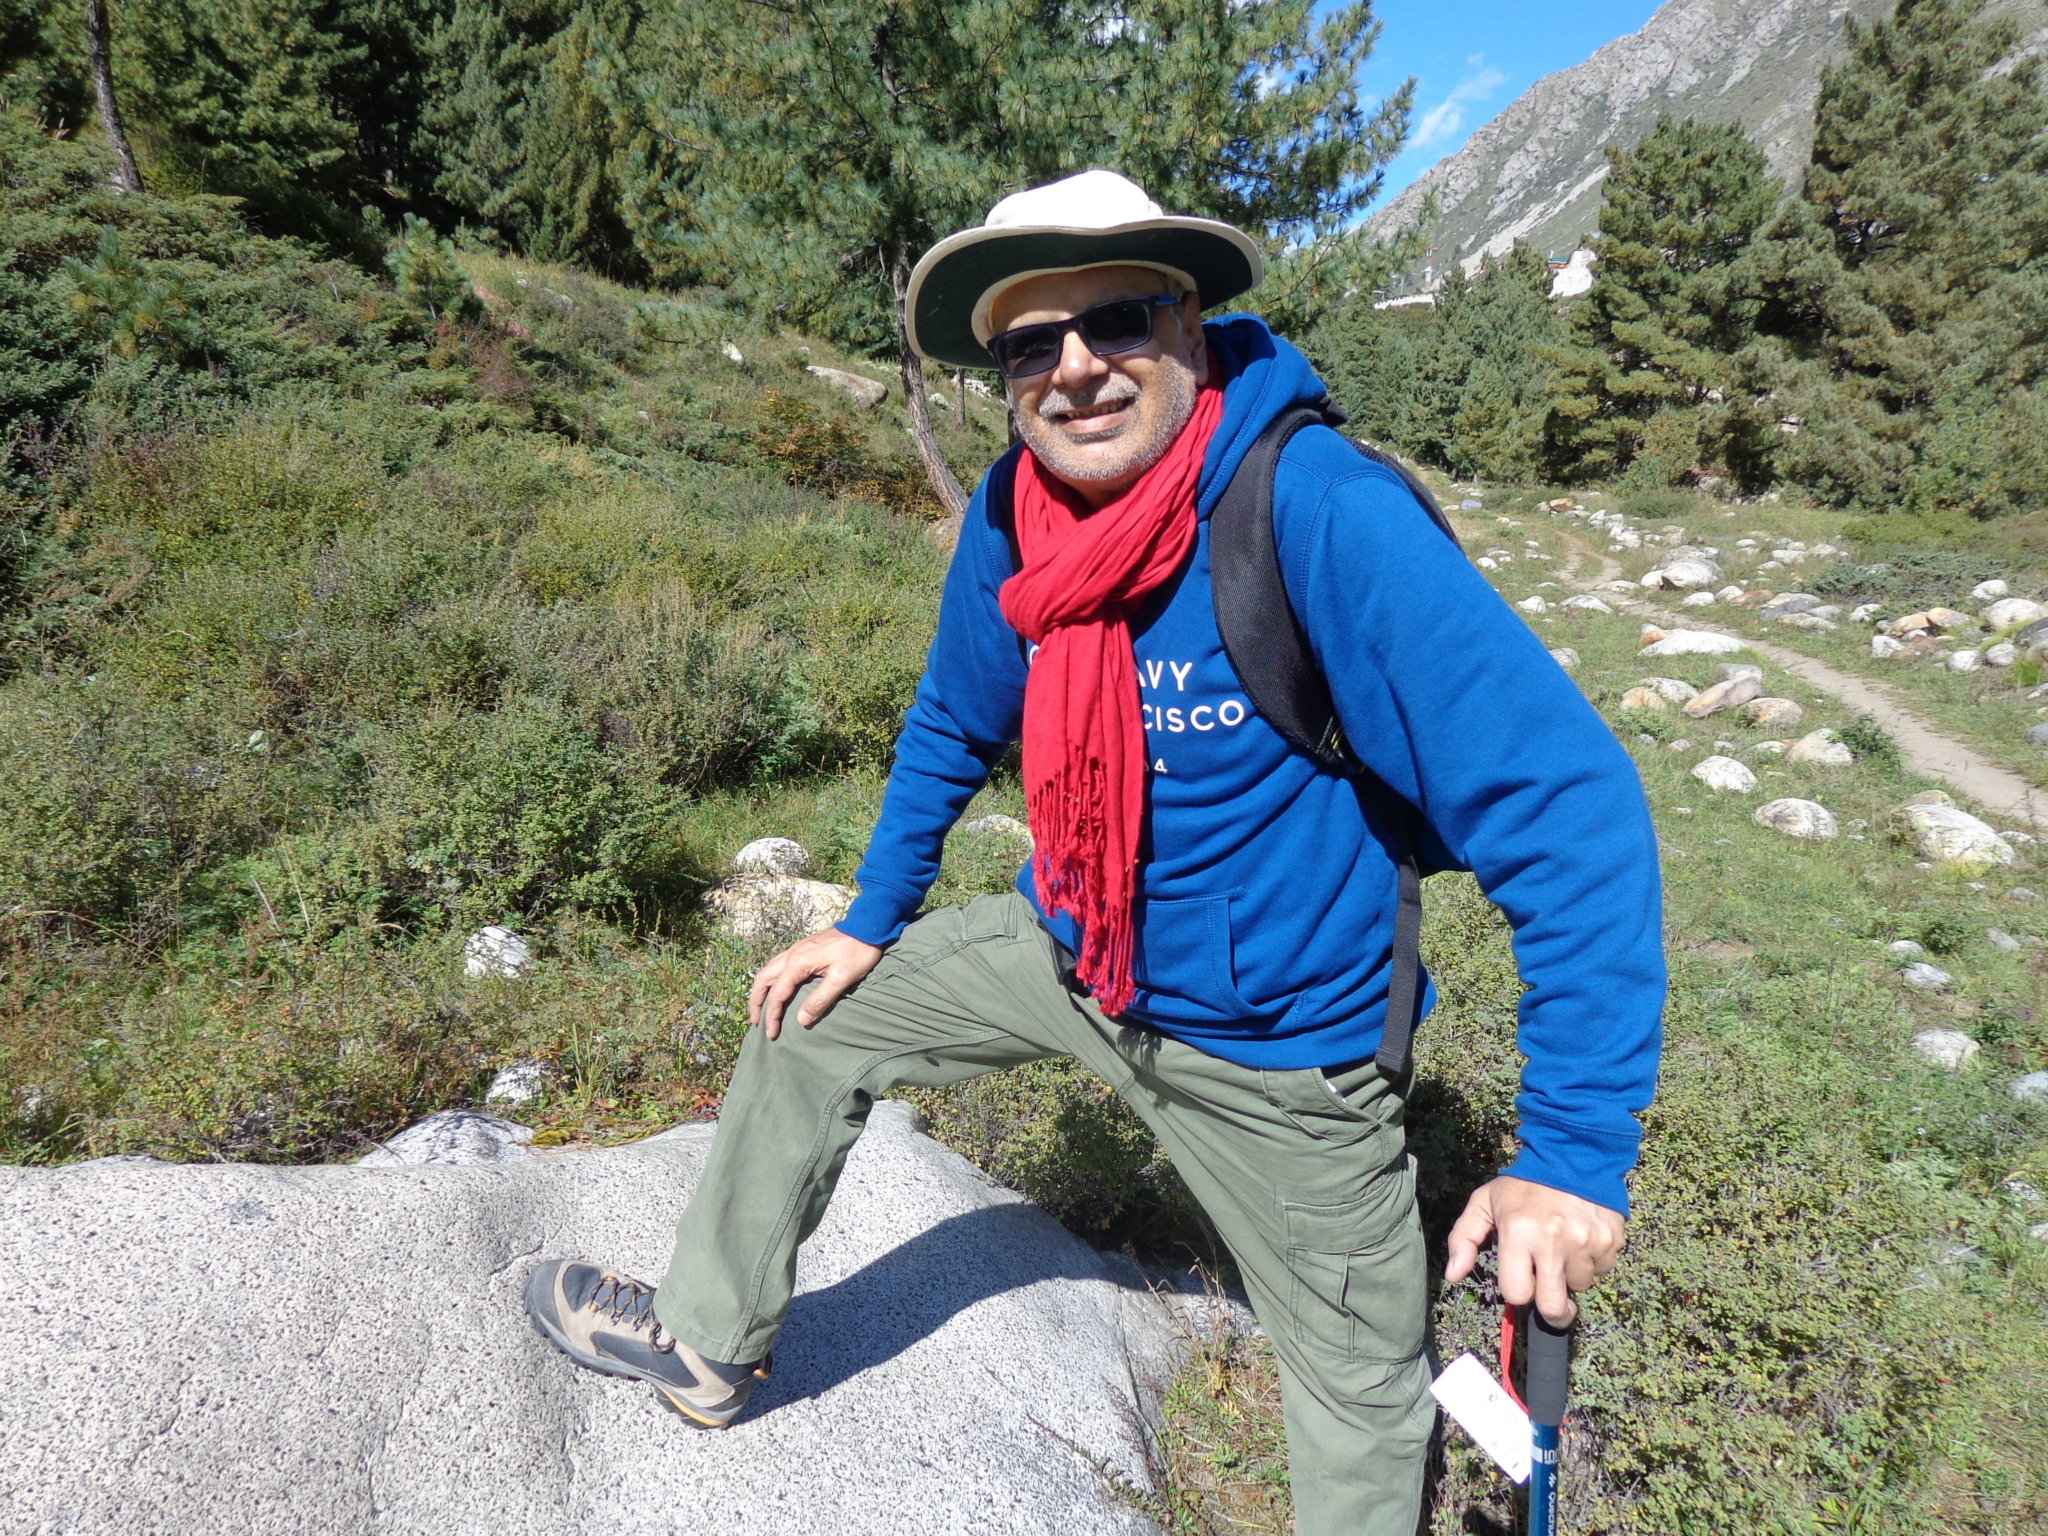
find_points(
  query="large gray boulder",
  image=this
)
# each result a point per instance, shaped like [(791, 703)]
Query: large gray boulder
[(341, 1350)]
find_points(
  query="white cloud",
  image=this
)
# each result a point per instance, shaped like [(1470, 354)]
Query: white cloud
[(1441, 123)]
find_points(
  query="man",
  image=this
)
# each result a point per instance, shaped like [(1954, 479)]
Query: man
[(1207, 920)]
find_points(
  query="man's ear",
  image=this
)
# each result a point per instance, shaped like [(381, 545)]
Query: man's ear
[(1198, 343)]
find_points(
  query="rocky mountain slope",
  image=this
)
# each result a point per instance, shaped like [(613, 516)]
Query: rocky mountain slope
[(1535, 172)]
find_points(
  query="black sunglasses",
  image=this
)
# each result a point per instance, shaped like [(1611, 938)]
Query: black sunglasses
[(1121, 325)]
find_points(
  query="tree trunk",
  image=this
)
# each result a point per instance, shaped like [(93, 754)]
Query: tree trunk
[(959, 397), (944, 485), (99, 58)]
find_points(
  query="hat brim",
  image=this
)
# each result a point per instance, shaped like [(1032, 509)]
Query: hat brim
[(954, 275)]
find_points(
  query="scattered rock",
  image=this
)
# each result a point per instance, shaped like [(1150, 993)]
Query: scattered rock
[(1905, 948), (2038, 734), (2002, 941), (1561, 504), (1863, 613), (1691, 575), (1565, 657), (866, 393), (1697, 600), (2021, 893), (1772, 712), (518, 1082), (1730, 594), (453, 1138), (2011, 611), (733, 353), (1724, 695), (1683, 744), (1964, 661), (1585, 604), (496, 951), (776, 906), (1822, 747), (1883, 646), (2031, 1089), (997, 825), (1671, 690), (1469, 504), (1768, 748), (2003, 654), (1724, 773), (1728, 671), (1798, 818), (1650, 698), (1949, 1048), (772, 856), (1692, 642), (1989, 591), (1930, 797), (1787, 603), (1813, 621), (1954, 837), (1534, 604)]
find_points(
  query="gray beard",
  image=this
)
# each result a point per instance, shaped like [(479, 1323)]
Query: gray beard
[(1173, 385)]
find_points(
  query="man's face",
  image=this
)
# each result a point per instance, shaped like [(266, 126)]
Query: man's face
[(1098, 423)]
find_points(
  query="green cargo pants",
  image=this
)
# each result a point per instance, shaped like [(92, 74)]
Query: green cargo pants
[(1305, 1177)]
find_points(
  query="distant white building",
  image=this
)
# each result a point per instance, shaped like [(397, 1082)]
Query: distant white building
[(1574, 277)]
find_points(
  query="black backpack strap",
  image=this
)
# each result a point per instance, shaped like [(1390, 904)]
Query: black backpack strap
[(1269, 648)]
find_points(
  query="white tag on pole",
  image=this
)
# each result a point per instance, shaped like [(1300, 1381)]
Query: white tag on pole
[(1483, 1409)]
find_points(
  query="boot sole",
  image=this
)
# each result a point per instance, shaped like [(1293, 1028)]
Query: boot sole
[(696, 1417)]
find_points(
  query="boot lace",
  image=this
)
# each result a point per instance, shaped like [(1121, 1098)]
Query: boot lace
[(626, 1301)]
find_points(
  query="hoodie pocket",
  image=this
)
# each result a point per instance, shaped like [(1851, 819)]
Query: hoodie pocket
[(1185, 961)]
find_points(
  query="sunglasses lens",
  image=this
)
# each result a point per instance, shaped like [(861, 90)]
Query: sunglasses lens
[(1027, 350), (1117, 326)]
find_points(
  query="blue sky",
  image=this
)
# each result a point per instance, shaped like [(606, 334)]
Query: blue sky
[(1472, 57)]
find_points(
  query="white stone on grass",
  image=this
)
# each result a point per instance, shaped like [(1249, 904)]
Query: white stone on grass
[(997, 825), (1964, 661), (1906, 949), (1726, 774), (1691, 575), (517, 1082), (1534, 604), (1728, 671), (1823, 748), (1954, 837), (1928, 978), (2031, 1089), (2012, 611), (1864, 613), (1564, 656), (1697, 600), (1798, 818), (1990, 591), (1723, 695), (912, 1393), (453, 1138), (1949, 1048), (1585, 603), (772, 856), (1772, 712), (865, 393), (495, 951), (776, 906), (2003, 654), (1883, 647), (1767, 748), (2002, 941), (1693, 642), (733, 353)]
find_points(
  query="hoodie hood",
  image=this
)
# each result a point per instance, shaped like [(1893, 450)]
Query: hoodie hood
[(1263, 375)]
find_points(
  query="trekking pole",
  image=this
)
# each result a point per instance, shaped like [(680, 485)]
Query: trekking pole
[(1548, 1364)]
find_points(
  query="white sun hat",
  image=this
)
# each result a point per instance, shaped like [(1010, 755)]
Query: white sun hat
[(1095, 219)]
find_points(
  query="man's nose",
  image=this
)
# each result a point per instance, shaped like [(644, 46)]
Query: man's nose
[(1077, 364)]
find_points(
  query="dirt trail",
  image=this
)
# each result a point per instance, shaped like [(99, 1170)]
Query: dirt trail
[(1925, 750)]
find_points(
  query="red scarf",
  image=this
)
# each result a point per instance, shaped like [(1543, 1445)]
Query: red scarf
[(1085, 572)]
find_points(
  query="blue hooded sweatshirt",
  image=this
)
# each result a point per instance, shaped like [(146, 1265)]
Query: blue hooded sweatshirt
[(1267, 886)]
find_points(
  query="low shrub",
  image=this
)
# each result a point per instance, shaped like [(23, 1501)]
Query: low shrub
[(1905, 577)]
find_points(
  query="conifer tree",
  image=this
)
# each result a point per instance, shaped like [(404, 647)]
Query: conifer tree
[(805, 155), (1906, 333), (1670, 308)]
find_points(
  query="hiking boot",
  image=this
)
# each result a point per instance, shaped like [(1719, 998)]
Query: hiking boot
[(606, 1322)]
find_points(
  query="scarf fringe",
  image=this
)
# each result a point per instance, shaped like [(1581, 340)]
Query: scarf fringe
[(1078, 873)]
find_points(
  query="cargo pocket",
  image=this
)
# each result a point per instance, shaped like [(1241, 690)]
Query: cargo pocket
[(1358, 1283)]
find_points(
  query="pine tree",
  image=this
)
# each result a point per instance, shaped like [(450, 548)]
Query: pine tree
[(806, 155), (1670, 309), (525, 146), (1906, 334)]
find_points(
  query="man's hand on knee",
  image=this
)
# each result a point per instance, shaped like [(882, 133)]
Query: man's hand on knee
[(1551, 1243), (838, 961)]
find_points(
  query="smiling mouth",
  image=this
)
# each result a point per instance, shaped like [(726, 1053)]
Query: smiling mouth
[(1089, 420)]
